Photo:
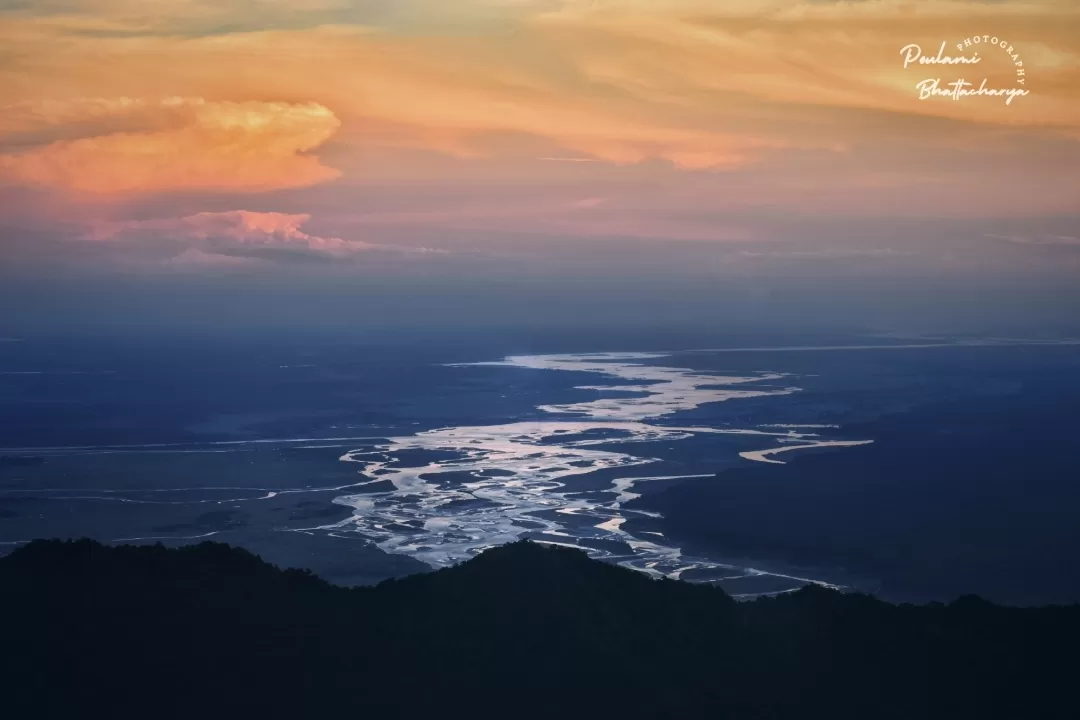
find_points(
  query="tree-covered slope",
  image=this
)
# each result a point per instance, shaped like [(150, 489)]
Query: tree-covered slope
[(520, 631)]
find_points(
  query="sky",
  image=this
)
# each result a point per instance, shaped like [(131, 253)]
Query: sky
[(614, 160)]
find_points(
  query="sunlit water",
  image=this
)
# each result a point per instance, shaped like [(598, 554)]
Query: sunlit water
[(487, 485)]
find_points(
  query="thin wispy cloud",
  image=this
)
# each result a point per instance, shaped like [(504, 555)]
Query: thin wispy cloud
[(1040, 240)]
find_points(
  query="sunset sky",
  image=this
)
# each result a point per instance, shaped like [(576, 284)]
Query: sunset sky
[(700, 139)]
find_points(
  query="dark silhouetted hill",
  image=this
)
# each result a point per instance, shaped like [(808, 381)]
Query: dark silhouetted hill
[(522, 630)]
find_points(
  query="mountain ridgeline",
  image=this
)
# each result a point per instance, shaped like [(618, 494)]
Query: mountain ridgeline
[(520, 631)]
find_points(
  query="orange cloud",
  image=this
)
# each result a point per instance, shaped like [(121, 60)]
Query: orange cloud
[(229, 146)]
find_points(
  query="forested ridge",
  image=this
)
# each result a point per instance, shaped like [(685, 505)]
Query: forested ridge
[(522, 630)]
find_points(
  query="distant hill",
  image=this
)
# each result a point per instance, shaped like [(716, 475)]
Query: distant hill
[(522, 630)]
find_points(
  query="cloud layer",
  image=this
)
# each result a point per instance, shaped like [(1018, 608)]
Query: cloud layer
[(655, 121)]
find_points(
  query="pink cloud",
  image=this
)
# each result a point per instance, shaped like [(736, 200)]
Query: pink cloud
[(222, 237)]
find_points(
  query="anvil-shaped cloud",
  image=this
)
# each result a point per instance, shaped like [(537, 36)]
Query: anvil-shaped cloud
[(136, 146)]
